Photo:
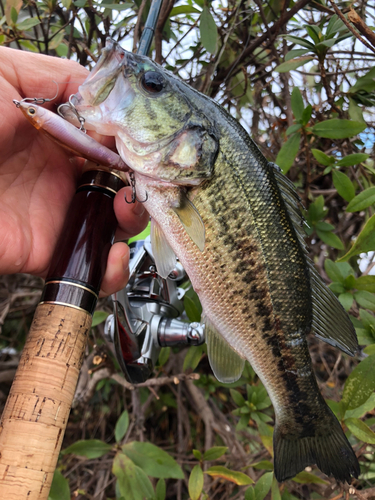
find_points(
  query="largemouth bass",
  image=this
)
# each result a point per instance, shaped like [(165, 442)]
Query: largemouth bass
[(234, 222)]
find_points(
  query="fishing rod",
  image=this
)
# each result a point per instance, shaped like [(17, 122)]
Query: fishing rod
[(38, 406)]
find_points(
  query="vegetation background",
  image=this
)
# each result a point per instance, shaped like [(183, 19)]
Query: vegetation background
[(300, 77)]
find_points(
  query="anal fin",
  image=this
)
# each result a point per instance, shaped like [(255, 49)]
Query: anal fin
[(226, 364)]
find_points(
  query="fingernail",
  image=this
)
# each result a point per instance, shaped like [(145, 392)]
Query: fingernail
[(138, 209)]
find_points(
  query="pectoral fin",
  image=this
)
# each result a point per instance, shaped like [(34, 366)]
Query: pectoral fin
[(164, 256), (192, 221), (226, 364)]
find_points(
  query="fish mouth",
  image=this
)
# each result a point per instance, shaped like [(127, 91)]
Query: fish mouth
[(105, 92)]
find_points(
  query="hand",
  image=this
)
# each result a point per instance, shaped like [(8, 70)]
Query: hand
[(38, 178)]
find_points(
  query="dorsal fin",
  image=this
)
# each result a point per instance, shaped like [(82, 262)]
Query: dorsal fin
[(293, 203), (330, 322), (226, 364)]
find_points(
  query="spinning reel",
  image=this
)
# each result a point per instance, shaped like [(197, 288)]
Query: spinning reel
[(146, 315)]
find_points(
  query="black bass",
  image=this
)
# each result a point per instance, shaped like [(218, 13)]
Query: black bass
[(234, 222)]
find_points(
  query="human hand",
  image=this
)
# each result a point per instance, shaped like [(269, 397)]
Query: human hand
[(37, 177)]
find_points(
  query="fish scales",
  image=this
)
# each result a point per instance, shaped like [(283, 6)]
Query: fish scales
[(200, 169)]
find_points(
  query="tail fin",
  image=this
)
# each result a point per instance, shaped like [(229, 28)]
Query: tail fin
[(326, 447)]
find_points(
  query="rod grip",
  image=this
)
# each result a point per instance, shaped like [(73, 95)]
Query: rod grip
[(37, 409), (38, 406)]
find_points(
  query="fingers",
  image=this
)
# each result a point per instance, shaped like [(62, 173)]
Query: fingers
[(33, 75), (117, 272), (132, 217)]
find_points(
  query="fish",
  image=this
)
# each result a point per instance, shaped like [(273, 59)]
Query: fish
[(234, 221), (69, 137)]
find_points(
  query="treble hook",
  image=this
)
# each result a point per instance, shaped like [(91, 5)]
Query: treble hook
[(134, 192), (71, 105), (37, 100)]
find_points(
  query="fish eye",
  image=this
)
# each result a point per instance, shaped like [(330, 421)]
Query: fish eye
[(153, 82), (31, 111)]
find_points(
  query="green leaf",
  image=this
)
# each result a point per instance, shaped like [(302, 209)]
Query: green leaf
[(353, 159), (292, 54), (335, 24), (333, 271), (193, 356), (235, 477), (314, 33), (193, 307), (237, 397), (306, 115), (197, 454), (66, 3), (161, 490), (132, 482), (293, 64), (99, 317), (337, 288), (263, 486), (116, 6), (367, 319), (365, 283), (208, 30), (56, 40), (323, 158), (300, 41), (13, 14), (324, 226), (215, 452), (322, 46), (308, 478), (365, 299), (330, 239), (360, 384), (59, 488), (365, 241), (90, 448), (154, 461), (355, 112), (293, 128), (362, 200), (367, 406), (164, 355), (338, 129), (184, 9), (122, 426), (297, 103), (250, 493), (275, 490), (346, 300), (360, 430), (343, 185), (195, 485), (28, 23), (288, 152)]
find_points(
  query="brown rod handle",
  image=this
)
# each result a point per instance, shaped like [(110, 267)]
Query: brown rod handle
[(37, 409)]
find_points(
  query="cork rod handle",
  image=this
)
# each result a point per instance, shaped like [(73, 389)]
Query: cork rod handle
[(38, 406), (37, 409)]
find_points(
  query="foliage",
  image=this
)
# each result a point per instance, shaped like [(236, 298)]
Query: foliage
[(304, 87)]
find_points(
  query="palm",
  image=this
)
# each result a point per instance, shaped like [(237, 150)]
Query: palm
[(37, 178)]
